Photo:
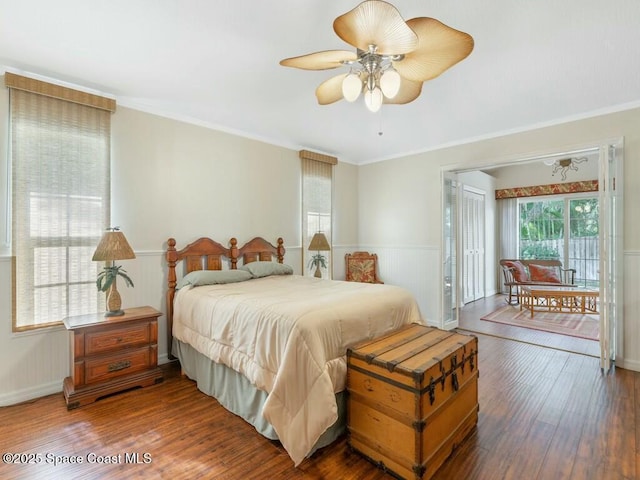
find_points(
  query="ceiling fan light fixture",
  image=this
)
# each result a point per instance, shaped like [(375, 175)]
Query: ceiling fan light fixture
[(373, 99), (351, 87), (390, 83), (393, 57)]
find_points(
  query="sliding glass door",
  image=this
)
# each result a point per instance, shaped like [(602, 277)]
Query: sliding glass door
[(583, 246), (563, 228)]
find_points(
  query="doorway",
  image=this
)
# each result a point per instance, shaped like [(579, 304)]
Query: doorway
[(607, 161)]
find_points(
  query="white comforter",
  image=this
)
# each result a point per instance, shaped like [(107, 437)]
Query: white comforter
[(288, 335)]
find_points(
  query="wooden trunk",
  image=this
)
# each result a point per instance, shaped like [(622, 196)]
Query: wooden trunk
[(413, 398)]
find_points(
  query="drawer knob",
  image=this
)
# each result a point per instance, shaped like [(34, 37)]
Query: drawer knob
[(121, 365)]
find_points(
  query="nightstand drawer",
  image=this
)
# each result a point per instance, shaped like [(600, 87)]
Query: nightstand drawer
[(114, 339), (111, 354), (100, 369)]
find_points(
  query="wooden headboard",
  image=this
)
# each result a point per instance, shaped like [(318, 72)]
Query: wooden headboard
[(256, 249), (207, 254)]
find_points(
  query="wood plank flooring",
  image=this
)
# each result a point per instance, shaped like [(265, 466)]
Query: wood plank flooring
[(470, 321), (544, 414)]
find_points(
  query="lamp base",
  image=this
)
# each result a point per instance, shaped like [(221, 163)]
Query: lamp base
[(114, 302), (318, 272)]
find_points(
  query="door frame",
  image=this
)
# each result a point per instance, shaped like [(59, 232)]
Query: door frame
[(611, 254), (612, 243), (450, 286)]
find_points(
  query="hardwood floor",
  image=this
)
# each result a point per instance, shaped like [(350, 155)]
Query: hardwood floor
[(470, 321), (544, 414)]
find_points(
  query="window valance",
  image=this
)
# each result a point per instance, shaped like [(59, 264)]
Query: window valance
[(318, 157), (18, 82), (551, 189)]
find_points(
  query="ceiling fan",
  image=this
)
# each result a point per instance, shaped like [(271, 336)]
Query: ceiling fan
[(392, 59)]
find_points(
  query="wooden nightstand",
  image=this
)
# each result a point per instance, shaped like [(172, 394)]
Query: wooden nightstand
[(111, 354)]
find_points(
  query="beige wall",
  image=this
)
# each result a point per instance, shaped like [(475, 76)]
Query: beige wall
[(172, 179), (410, 188)]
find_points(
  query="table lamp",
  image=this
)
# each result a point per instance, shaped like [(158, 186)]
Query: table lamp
[(113, 246), (319, 243)]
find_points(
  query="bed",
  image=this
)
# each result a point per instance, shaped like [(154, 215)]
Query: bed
[(270, 345)]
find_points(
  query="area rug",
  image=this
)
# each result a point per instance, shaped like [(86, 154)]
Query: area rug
[(575, 325)]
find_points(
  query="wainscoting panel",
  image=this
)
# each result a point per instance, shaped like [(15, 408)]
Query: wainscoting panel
[(32, 364), (149, 274), (630, 336), (416, 268)]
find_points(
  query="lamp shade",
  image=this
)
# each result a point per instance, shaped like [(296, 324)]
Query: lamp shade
[(113, 246), (319, 243)]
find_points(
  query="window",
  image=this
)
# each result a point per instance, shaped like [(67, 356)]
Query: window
[(317, 176), (60, 163), (566, 229)]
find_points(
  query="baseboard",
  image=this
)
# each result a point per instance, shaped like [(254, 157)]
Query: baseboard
[(628, 365), (31, 393), (45, 389)]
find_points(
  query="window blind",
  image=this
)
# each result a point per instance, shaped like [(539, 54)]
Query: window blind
[(317, 176), (60, 203)]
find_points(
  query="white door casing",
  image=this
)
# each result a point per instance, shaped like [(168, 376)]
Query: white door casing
[(611, 268)]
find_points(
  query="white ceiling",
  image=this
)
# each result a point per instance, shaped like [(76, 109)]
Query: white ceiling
[(215, 63)]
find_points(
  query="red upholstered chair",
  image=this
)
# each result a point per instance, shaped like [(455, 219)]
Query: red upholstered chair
[(362, 267)]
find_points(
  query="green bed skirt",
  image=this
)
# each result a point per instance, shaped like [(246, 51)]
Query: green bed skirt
[(234, 392)]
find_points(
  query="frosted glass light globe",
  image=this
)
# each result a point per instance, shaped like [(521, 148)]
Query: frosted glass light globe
[(373, 99), (390, 83), (351, 87)]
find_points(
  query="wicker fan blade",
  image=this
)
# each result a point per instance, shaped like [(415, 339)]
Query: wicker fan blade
[(330, 91), (439, 48), (409, 91), (379, 23), (320, 60)]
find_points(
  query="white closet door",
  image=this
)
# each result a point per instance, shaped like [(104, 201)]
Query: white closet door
[(473, 247), (467, 247), (479, 283)]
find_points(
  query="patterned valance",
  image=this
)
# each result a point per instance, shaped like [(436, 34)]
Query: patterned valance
[(551, 189)]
